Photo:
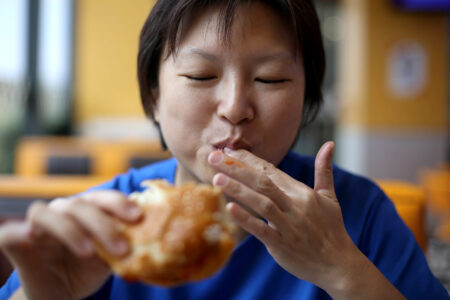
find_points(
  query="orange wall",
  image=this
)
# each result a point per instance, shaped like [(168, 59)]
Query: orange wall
[(367, 99), (107, 33)]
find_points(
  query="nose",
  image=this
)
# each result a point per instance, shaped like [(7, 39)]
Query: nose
[(235, 103)]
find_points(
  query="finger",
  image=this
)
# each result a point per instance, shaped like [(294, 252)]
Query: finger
[(323, 171), (255, 226), (256, 203), (257, 180), (14, 233), (280, 178), (96, 222), (60, 227), (115, 203)]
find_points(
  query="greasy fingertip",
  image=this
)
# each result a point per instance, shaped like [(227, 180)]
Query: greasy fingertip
[(215, 157), (220, 179), (230, 152)]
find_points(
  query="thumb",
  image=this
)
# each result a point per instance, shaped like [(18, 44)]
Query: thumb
[(323, 170), (13, 233)]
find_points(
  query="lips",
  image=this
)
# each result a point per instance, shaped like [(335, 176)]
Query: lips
[(233, 144)]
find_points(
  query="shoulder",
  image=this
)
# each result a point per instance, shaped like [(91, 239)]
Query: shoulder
[(131, 180), (10, 287)]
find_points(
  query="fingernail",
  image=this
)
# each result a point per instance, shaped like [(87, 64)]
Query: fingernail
[(215, 157), (25, 229), (120, 247), (228, 151), (330, 146), (220, 180), (133, 211), (86, 247)]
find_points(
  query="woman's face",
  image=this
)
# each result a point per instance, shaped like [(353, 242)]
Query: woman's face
[(247, 93)]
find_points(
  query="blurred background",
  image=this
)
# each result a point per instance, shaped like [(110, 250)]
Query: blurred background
[(70, 114)]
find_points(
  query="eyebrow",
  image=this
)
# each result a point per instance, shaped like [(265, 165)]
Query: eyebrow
[(276, 56), (201, 53)]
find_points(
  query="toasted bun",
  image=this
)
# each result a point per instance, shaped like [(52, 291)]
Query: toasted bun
[(185, 235)]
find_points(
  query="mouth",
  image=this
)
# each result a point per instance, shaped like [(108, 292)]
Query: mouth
[(233, 144)]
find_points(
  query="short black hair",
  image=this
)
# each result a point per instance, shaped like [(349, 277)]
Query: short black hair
[(169, 18)]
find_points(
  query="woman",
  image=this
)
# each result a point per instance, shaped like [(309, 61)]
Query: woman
[(229, 79)]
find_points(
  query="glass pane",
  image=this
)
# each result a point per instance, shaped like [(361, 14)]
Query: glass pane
[(13, 31), (54, 63)]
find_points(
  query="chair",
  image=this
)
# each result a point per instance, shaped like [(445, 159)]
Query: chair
[(409, 200), (436, 183), (37, 156)]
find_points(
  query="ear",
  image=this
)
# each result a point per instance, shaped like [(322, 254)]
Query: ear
[(155, 98)]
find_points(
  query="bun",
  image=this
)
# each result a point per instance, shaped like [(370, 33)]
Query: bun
[(185, 235)]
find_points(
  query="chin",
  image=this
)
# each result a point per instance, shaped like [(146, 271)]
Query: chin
[(206, 174), (198, 172)]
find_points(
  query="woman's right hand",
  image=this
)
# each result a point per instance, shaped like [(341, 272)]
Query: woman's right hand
[(53, 250)]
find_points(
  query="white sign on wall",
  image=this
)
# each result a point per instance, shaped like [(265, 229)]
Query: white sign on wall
[(407, 67)]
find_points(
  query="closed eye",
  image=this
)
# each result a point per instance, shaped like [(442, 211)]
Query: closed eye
[(200, 78), (271, 81)]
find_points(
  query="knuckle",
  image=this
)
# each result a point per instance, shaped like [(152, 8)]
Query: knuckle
[(110, 228), (262, 230), (75, 233), (236, 190), (101, 197), (267, 208), (115, 195), (105, 227), (310, 196), (91, 196), (267, 168), (264, 184), (36, 209), (63, 204), (69, 231), (71, 236)]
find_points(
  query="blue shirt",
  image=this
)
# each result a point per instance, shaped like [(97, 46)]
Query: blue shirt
[(370, 219)]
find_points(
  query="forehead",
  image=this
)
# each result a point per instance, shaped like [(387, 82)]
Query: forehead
[(255, 23)]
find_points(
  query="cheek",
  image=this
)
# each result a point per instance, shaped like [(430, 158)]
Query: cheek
[(293, 116), (284, 114), (184, 115), (283, 127), (187, 107), (281, 122)]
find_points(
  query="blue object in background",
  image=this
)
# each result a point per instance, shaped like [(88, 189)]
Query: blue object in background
[(423, 5)]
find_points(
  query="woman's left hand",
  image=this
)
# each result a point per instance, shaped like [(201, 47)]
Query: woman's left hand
[(303, 229)]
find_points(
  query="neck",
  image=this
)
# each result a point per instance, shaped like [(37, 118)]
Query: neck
[(182, 175)]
